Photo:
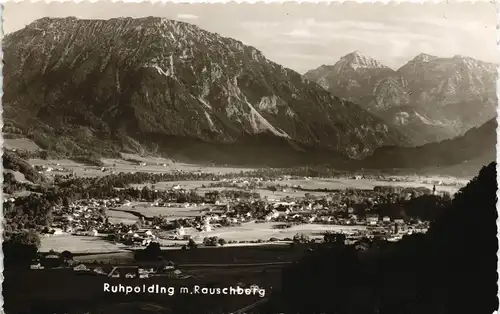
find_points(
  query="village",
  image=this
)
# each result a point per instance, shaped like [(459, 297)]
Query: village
[(356, 210)]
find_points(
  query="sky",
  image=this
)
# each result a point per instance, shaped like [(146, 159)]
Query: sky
[(305, 36)]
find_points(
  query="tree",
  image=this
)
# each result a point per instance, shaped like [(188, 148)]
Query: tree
[(300, 238), (66, 201), (210, 241), (191, 244), (28, 237), (222, 242), (20, 248), (67, 255), (152, 252), (44, 154), (136, 226), (329, 237)]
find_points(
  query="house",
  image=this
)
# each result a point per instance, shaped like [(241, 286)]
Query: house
[(93, 233), (123, 271), (169, 266), (180, 231), (206, 228), (57, 231), (81, 267), (36, 266), (372, 219), (282, 210), (99, 271), (386, 219)]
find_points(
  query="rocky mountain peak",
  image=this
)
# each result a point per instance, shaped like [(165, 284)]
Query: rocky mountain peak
[(424, 57), (439, 97), (357, 60)]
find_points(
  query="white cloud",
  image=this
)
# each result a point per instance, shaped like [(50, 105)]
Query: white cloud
[(301, 56), (182, 16), (448, 24), (301, 33)]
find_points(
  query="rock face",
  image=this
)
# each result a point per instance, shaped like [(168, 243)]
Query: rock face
[(157, 84), (428, 99)]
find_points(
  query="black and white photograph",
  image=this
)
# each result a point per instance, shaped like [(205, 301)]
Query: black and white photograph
[(197, 158)]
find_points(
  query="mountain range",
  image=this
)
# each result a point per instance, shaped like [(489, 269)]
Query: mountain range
[(152, 84), (428, 99)]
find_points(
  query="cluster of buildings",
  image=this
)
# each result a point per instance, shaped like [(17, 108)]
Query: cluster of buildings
[(59, 260), (88, 217)]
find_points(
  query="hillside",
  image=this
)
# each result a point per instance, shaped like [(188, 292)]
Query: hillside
[(13, 163), (151, 84), (428, 99), (430, 262), (463, 155)]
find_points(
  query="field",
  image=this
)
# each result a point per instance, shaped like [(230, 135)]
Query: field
[(246, 232), (79, 244), (314, 184), (153, 165), (345, 183), (118, 216), (161, 165), (129, 214), (20, 143), (265, 231), (17, 175)]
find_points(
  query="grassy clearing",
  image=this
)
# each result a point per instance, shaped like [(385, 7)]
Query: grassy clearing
[(17, 175), (117, 217), (265, 231), (156, 164), (165, 185), (20, 143), (363, 184), (79, 244), (146, 210)]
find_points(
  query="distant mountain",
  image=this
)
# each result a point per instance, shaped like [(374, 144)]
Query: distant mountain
[(352, 77), (462, 156), (152, 84), (428, 99)]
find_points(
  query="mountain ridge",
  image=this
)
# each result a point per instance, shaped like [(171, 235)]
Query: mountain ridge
[(428, 99), (471, 151), (118, 84)]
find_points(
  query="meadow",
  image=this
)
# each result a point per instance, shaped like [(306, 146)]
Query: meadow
[(246, 232), (79, 244)]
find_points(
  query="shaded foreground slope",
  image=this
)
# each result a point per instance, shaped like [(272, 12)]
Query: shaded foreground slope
[(451, 269)]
